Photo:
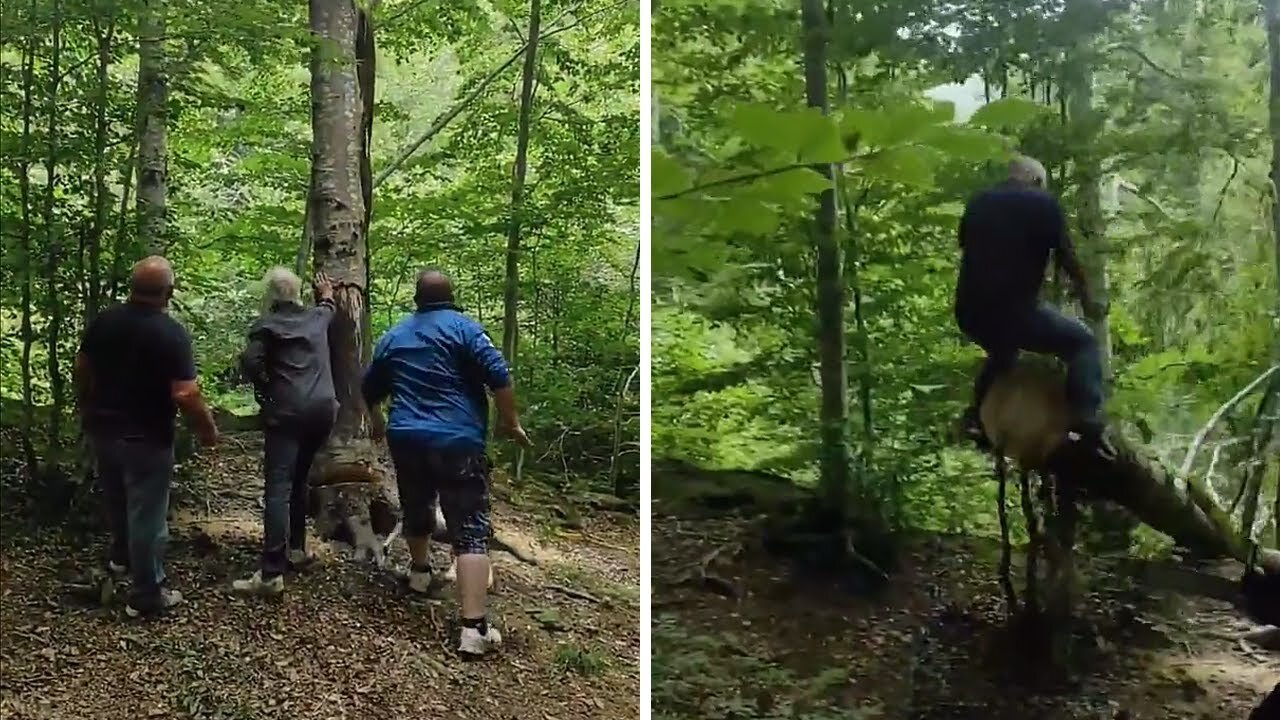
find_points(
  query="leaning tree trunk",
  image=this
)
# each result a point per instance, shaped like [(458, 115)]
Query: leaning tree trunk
[(350, 501), (1027, 415), (834, 463), (153, 119)]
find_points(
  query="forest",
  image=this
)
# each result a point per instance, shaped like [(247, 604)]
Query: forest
[(498, 141), (831, 548)]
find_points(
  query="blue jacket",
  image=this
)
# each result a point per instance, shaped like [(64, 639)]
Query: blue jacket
[(435, 365)]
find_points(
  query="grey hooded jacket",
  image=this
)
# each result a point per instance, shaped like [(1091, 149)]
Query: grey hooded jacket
[(287, 361)]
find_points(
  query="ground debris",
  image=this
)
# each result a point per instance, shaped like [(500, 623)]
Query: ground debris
[(344, 641)]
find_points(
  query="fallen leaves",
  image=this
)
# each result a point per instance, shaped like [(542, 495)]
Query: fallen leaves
[(342, 642)]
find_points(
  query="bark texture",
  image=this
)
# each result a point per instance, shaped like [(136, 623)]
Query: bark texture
[(153, 120), (351, 502)]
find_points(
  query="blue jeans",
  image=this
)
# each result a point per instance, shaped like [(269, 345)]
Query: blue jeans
[(289, 450), (135, 477), (1043, 329)]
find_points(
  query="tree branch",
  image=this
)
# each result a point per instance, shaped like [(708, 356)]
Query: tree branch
[(1185, 470), (453, 112)]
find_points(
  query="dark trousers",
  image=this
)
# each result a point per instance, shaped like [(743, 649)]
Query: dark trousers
[(1004, 333), (460, 477), (135, 477), (290, 449)]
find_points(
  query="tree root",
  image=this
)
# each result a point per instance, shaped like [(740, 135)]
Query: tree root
[(573, 593), (699, 575)]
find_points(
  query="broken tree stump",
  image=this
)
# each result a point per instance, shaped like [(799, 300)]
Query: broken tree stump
[(1027, 416)]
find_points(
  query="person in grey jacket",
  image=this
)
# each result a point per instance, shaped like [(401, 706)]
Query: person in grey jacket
[(287, 361)]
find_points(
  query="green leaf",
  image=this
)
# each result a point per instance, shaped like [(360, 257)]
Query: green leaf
[(965, 143), (909, 165), (1009, 113), (807, 135), (801, 181), (748, 215), (894, 125), (667, 177)]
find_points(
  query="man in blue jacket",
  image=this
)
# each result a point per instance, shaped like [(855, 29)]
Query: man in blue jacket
[(434, 366)]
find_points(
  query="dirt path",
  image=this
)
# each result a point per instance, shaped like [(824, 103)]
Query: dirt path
[(345, 641), (931, 647)]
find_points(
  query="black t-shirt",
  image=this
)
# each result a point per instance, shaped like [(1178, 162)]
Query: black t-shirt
[(1006, 236), (135, 354)]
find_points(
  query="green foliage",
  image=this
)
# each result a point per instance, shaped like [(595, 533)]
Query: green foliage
[(239, 145), (715, 678), (1175, 140)]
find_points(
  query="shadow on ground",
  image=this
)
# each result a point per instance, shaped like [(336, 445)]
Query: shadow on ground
[(344, 642), (736, 635)]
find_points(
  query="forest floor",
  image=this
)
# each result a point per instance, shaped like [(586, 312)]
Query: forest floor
[(345, 641), (751, 638)]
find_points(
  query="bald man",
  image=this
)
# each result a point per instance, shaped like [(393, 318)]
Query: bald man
[(1007, 234), (134, 371), (435, 366)]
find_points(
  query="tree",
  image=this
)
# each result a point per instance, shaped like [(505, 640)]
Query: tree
[(350, 496)]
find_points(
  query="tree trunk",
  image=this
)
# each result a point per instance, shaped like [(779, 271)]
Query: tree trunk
[(1272, 12), (28, 257), (153, 119), (834, 463), (366, 72), (350, 501), (511, 296), (53, 240), (1026, 414), (1262, 438), (93, 295)]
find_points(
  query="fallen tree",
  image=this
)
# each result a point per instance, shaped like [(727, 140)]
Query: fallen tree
[(1026, 416)]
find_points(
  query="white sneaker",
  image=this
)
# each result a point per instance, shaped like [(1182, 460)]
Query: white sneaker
[(471, 642), (256, 585), (168, 598), (117, 568), (420, 582)]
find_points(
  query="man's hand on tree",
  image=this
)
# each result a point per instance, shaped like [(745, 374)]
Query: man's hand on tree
[(323, 285)]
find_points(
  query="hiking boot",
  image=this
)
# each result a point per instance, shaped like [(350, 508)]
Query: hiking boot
[(471, 642), (166, 601), (1094, 437), (255, 584)]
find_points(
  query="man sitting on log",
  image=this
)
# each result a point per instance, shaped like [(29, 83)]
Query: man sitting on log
[(1006, 236), (434, 366), (287, 360), (134, 371)]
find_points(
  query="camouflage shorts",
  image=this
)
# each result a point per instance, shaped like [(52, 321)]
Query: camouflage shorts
[(461, 479)]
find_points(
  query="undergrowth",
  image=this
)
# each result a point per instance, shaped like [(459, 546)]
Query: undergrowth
[(716, 678)]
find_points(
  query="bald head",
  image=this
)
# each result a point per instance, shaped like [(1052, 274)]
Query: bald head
[(1028, 171), (433, 287), (151, 280)]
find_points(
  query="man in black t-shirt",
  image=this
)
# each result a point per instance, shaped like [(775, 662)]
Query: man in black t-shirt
[(134, 371), (1007, 235)]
